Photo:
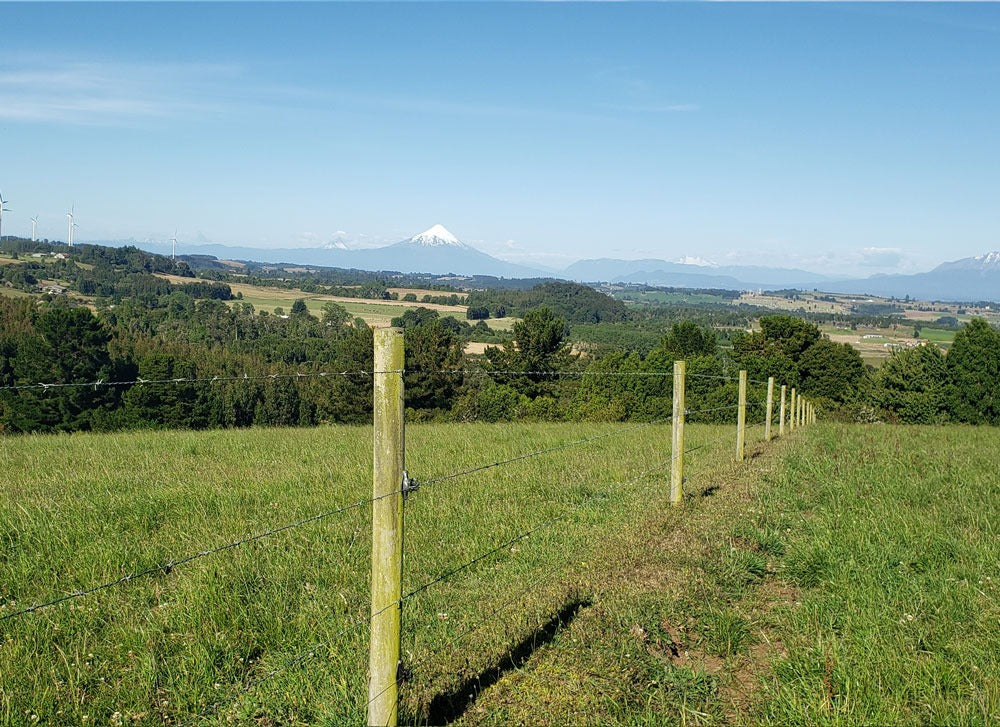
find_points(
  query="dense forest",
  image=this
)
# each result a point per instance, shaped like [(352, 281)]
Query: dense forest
[(157, 354)]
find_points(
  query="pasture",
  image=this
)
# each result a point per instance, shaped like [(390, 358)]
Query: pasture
[(840, 574), (85, 509)]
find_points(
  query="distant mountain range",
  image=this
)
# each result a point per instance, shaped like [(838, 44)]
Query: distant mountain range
[(433, 251), (969, 279), (438, 251), (684, 275)]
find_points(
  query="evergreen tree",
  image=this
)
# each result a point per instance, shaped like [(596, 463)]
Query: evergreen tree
[(973, 365), (538, 346), (911, 385)]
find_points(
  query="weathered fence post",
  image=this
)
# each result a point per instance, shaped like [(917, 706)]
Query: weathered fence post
[(387, 527), (781, 412), (791, 413), (677, 445), (770, 408), (741, 417)]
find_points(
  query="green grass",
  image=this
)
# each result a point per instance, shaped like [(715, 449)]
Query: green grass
[(84, 509), (893, 541), (938, 335), (853, 580), (660, 296), (842, 575)]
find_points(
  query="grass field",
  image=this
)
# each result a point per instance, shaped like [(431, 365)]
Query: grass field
[(662, 296), (840, 575), (938, 335), (79, 510), (852, 580)]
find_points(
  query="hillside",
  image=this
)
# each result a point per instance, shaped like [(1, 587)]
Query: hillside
[(630, 611)]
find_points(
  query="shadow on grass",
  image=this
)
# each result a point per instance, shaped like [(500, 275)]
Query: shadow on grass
[(448, 707)]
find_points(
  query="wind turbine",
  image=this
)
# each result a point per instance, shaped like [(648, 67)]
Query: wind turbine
[(173, 246), (72, 224), (34, 225), (3, 208)]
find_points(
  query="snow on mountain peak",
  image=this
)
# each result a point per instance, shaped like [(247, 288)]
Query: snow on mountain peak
[(989, 260), (695, 260), (437, 236)]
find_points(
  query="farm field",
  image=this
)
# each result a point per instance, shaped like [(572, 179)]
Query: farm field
[(374, 312), (877, 344), (852, 580), (78, 510), (807, 302), (788, 588)]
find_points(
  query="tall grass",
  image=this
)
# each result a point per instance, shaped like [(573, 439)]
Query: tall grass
[(893, 536), (274, 630)]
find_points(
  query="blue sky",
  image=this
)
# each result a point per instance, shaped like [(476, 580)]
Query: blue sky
[(848, 138)]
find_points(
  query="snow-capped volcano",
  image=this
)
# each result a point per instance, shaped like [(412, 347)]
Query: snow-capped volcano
[(437, 236), (985, 263)]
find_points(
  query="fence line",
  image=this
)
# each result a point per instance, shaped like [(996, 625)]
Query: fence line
[(139, 381), (167, 568), (302, 656), (800, 415), (499, 548), (190, 380)]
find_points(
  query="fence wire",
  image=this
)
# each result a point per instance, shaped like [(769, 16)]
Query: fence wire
[(167, 568), (539, 452), (139, 381), (304, 655)]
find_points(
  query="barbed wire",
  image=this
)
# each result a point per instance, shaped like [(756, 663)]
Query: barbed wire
[(583, 373), (306, 654), (167, 568), (310, 652), (302, 656), (537, 372), (139, 381), (536, 453), (468, 564)]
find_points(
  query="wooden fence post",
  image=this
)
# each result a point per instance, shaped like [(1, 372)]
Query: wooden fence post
[(677, 445), (791, 412), (387, 527), (770, 408), (741, 417), (781, 412)]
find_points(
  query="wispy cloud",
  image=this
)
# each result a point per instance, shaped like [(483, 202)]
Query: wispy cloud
[(109, 94), (634, 93), (653, 108)]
